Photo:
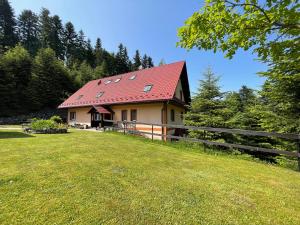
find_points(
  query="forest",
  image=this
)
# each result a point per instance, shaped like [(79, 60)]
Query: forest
[(43, 61)]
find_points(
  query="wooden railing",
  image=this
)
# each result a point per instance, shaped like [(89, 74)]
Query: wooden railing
[(128, 127)]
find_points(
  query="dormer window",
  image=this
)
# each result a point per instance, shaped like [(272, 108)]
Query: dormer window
[(117, 80), (79, 97), (148, 88), (107, 82), (132, 77), (99, 94)]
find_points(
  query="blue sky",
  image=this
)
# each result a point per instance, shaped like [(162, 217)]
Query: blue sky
[(150, 26)]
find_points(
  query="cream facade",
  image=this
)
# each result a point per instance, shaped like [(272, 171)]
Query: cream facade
[(152, 113)]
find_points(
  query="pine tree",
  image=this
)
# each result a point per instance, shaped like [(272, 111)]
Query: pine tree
[(69, 39), (207, 107), (89, 54), (28, 31), (122, 60), (51, 82), (145, 62), (56, 37), (8, 37), (150, 62), (45, 27), (98, 52), (136, 61)]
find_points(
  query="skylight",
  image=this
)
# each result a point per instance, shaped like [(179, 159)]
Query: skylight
[(132, 77), (148, 88), (107, 82), (117, 80), (99, 94), (79, 97)]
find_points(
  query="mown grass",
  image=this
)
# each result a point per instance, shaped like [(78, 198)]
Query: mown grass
[(106, 178)]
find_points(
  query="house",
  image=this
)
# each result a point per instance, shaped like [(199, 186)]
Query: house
[(155, 95)]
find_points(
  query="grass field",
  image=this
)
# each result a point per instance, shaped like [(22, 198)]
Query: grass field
[(106, 178)]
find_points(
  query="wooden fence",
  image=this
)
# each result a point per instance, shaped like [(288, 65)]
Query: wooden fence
[(130, 127)]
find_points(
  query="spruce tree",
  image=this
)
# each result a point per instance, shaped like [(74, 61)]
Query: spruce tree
[(122, 60), (8, 37), (45, 27), (145, 62), (98, 52), (136, 61), (207, 107), (51, 81), (28, 31), (150, 62), (56, 37), (69, 39)]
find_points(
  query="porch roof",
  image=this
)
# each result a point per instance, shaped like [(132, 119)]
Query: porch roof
[(100, 109)]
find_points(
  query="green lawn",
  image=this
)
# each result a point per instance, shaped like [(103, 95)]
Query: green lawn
[(105, 178)]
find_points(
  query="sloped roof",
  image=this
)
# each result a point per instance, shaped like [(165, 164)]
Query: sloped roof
[(111, 90)]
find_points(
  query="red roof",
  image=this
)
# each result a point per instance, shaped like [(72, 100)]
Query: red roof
[(129, 87)]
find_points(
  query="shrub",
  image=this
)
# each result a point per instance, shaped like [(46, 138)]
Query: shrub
[(56, 119), (43, 124)]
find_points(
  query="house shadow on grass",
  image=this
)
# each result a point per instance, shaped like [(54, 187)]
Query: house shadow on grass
[(13, 134)]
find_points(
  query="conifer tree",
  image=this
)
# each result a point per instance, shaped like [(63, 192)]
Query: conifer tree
[(56, 37), (98, 52), (51, 82), (28, 31), (69, 39), (207, 107), (8, 37), (145, 62), (136, 61), (16, 64)]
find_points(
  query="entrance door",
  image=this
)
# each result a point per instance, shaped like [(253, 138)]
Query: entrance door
[(96, 119)]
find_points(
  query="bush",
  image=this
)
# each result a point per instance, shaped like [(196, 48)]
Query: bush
[(56, 119), (43, 124)]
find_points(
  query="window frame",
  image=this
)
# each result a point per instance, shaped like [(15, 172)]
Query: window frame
[(72, 116), (124, 115), (99, 94), (172, 117), (149, 88), (132, 111), (132, 77)]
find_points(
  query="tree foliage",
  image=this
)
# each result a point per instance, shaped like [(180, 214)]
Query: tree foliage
[(51, 61), (271, 30)]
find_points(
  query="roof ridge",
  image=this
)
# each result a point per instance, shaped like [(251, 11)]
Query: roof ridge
[(122, 74)]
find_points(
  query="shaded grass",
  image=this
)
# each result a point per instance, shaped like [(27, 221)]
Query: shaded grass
[(106, 178)]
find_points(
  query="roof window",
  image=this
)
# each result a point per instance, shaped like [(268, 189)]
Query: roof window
[(99, 94), (107, 82), (132, 77), (117, 80), (79, 97), (148, 88)]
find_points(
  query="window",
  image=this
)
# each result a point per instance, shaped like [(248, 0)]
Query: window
[(79, 97), (132, 77), (124, 115), (181, 95), (73, 116), (148, 88), (107, 82), (97, 117), (99, 94), (133, 115), (117, 80), (172, 115)]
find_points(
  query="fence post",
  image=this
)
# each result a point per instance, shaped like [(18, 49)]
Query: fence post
[(124, 124), (298, 152), (152, 132)]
